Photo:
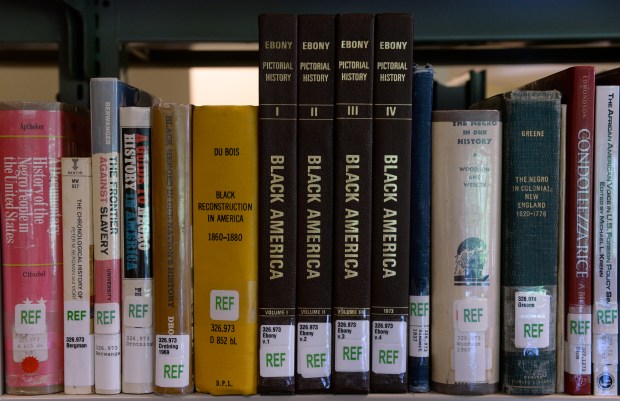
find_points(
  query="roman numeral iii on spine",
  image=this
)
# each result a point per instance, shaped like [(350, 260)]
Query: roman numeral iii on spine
[(352, 202)]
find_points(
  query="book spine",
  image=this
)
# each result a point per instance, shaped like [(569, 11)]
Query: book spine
[(530, 240), (561, 301), (2, 348), (579, 224), (465, 251), (605, 248), (277, 243), (315, 201), (225, 139), (107, 234), (420, 229), (79, 354), (172, 247), (32, 143), (137, 287), (391, 192), (352, 202)]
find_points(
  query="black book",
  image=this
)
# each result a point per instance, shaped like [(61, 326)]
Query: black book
[(277, 202), (315, 126), (352, 202), (391, 193)]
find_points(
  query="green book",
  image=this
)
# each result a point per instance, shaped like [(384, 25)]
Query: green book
[(530, 201)]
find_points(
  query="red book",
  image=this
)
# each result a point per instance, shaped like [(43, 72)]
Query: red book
[(578, 89), (33, 138)]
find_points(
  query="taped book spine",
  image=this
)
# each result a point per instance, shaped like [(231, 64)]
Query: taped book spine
[(172, 248), (465, 251)]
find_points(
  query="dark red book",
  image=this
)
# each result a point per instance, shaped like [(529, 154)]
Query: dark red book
[(34, 136), (578, 89)]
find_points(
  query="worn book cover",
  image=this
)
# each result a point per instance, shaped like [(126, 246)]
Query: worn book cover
[(465, 251), (34, 136), (530, 217), (171, 148), (577, 87)]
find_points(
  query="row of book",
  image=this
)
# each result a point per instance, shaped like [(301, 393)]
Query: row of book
[(307, 222), (494, 215), (98, 247), (525, 193)]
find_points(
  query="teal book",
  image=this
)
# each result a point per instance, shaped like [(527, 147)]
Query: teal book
[(420, 228), (530, 201)]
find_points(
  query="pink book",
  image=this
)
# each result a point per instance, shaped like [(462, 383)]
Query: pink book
[(33, 138)]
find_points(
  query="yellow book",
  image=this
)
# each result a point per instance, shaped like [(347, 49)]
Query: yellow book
[(225, 187)]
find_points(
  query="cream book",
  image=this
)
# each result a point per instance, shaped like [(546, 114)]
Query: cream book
[(79, 344), (465, 251)]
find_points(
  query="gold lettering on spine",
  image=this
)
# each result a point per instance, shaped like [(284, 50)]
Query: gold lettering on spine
[(351, 218), (276, 218), (390, 222), (313, 222)]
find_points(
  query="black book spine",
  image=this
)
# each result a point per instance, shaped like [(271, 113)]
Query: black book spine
[(352, 202), (277, 201), (391, 193), (316, 54)]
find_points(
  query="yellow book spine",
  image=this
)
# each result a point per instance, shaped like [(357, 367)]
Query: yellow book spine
[(225, 207)]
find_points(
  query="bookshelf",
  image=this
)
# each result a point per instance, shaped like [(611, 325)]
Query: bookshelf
[(88, 38), (304, 397)]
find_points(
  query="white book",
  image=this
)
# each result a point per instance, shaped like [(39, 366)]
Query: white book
[(107, 95), (79, 348), (465, 251), (605, 291), (137, 288)]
